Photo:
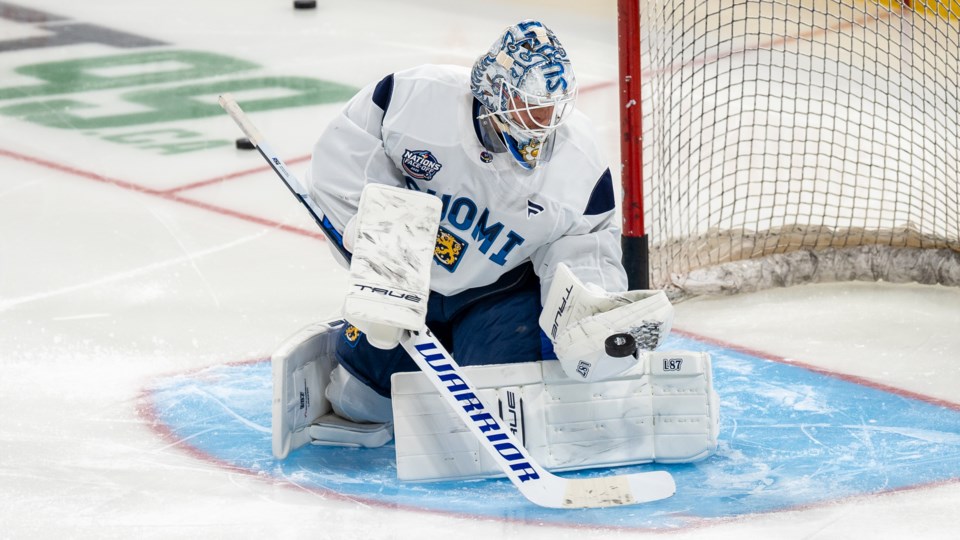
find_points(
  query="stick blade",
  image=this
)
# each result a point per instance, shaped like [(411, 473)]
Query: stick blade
[(652, 486), (607, 491)]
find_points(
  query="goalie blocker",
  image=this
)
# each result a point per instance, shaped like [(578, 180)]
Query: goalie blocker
[(389, 284), (663, 410)]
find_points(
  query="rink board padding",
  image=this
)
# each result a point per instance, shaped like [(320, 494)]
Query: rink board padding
[(790, 437)]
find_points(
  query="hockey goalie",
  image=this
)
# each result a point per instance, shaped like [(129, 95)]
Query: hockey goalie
[(475, 203)]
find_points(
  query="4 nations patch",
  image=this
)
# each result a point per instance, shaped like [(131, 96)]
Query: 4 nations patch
[(420, 164)]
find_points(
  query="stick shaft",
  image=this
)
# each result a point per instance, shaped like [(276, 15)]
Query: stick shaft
[(230, 105)]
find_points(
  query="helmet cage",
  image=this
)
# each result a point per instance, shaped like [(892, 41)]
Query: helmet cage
[(532, 116)]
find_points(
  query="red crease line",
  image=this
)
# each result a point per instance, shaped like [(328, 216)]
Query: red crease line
[(822, 371), (230, 176)]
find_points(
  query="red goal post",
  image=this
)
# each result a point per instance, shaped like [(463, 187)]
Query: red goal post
[(776, 142), (634, 240)]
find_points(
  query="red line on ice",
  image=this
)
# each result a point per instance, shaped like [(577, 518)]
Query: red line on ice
[(170, 195)]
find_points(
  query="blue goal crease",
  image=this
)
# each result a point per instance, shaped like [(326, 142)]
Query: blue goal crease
[(790, 437)]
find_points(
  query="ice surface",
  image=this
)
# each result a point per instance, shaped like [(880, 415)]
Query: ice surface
[(112, 277)]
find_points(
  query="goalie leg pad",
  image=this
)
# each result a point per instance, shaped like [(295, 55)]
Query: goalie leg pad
[(301, 369), (663, 410), (686, 406), (309, 389), (389, 280)]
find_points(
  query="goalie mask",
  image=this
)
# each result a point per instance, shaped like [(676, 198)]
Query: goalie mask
[(526, 87)]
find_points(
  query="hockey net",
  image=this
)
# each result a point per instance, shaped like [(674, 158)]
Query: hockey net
[(787, 142)]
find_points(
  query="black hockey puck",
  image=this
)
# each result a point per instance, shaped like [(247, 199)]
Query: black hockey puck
[(304, 4), (620, 345), (244, 143)]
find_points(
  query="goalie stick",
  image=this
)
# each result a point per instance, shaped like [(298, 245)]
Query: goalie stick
[(533, 481)]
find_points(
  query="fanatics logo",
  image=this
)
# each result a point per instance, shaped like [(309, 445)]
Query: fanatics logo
[(533, 209), (420, 164)]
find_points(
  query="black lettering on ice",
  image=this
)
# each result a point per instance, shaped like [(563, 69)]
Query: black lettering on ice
[(65, 33)]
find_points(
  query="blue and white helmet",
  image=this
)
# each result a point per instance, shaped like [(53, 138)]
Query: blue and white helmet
[(526, 84)]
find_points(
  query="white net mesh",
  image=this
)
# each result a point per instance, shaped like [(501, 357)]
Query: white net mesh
[(789, 136)]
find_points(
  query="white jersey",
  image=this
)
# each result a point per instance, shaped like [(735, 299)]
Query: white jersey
[(417, 129)]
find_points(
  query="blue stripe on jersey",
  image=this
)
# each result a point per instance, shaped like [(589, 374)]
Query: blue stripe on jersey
[(601, 200), (383, 92), (334, 234)]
